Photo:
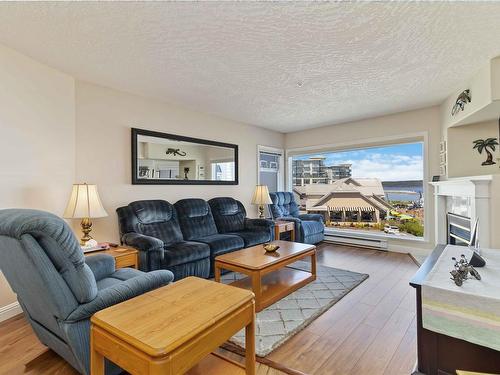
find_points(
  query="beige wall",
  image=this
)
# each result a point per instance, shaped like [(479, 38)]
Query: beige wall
[(480, 91), (462, 159), (400, 124), (37, 146), (103, 120)]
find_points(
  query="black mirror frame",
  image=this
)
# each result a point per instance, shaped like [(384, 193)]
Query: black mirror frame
[(137, 181)]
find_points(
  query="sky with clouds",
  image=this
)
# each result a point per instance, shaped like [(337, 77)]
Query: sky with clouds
[(389, 163)]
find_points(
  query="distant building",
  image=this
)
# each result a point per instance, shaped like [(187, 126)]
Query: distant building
[(314, 171), (339, 171), (346, 200)]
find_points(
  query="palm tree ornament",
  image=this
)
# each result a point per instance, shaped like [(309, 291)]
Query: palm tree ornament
[(485, 144)]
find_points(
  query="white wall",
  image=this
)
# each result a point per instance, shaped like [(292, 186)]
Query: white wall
[(103, 121), (37, 146), (401, 124)]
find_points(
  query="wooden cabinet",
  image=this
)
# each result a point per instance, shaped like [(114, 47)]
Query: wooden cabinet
[(439, 354)]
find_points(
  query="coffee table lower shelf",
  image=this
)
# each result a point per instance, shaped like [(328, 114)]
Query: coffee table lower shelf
[(275, 285)]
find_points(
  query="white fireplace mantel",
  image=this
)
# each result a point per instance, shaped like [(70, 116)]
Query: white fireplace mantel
[(477, 188)]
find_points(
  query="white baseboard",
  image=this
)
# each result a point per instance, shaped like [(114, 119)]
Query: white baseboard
[(9, 311)]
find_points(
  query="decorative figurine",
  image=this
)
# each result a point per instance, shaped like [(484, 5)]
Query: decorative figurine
[(462, 269), (175, 152), (485, 144), (461, 101)]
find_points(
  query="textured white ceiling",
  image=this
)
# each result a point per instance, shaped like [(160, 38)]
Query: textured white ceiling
[(244, 61)]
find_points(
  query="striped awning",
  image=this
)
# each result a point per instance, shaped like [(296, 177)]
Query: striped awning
[(351, 208), (355, 204)]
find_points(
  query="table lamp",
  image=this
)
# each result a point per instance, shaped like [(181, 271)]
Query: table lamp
[(261, 197), (84, 203)]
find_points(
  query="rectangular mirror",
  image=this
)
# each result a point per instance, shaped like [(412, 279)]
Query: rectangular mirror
[(160, 158)]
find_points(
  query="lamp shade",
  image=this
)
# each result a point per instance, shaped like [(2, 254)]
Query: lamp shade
[(84, 202), (261, 195)]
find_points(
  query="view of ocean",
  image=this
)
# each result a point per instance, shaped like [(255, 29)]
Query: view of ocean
[(400, 190)]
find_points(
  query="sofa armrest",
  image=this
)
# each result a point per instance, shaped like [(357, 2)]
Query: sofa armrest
[(150, 250), (258, 223), (121, 292), (311, 217), (142, 242), (101, 265)]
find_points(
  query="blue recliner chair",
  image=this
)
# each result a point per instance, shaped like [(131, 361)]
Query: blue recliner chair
[(309, 228), (58, 288)]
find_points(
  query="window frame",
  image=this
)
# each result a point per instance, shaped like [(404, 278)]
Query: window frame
[(371, 143), (281, 171)]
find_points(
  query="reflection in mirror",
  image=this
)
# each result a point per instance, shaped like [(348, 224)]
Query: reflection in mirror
[(165, 158)]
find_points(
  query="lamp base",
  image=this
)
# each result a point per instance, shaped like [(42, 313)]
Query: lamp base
[(261, 211), (86, 225)]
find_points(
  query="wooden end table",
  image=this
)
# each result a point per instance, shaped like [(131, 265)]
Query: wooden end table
[(268, 277), (124, 256), (283, 227), (170, 330)]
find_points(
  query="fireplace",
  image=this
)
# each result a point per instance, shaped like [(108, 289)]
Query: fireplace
[(459, 229), (458, 202)]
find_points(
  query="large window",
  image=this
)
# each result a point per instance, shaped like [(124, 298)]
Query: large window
[(372, 189)]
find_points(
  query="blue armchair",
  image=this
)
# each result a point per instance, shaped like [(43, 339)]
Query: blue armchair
[(58, 288), (309, 228)]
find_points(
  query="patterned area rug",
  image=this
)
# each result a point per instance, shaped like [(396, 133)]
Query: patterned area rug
[(282, 320)]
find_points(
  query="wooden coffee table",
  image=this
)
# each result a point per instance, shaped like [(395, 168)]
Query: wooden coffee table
[(268, 277), (171, 329)]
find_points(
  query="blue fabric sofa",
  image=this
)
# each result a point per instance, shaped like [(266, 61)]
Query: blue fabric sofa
[(186, 237), (58, 288), (152, 227), (309, 228), (231, 218)]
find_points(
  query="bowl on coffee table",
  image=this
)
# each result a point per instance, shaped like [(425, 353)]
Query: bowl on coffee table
[(271, 248)]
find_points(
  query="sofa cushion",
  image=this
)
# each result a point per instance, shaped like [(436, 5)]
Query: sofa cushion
[(283, 204), (185, 252), (157, 218), (118, 277), (222, 243), (107, 282), (195, 218), (252, 238), (229, 214), (168, 231), (152, 211)]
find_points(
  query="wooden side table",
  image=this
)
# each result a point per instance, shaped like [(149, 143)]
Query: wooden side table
[(124, 256), (283, 227), (171, 329)]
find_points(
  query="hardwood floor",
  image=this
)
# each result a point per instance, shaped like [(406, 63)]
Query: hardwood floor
[(370, 331)]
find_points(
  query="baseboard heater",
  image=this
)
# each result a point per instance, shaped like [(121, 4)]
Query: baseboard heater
[(351, 239)]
